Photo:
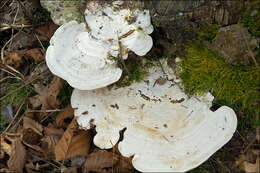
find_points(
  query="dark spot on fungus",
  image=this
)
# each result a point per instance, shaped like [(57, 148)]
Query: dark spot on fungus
[(94, 105), (165, 125), (160, 81), (144, 96), (127, 34), (177, 101), (115, 106), (85, 113)]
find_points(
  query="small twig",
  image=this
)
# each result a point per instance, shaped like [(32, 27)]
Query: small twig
[(40, 42), (12, 28), (26, 12), (5, 26), (250, 51), (8, 77), (120, 55), (10, 93), (2, 54), (221, 164), (12, 134), (241, 136), (9, 73), (161, 67), (47, 111), (17, 113)]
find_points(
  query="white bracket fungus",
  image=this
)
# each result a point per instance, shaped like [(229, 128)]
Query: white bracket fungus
[(166, 131), (86, 54), (130, 27), (81, 60)]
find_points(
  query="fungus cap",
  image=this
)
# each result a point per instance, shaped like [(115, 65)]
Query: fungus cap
[(166, 131), (81, 60), (130, 27)]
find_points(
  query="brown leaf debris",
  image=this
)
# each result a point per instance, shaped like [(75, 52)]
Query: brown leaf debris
[(71, 145), (99, 160), (18, 156), (68, 113), (47, 30), (29, 123), (36, 54), (47, 99)]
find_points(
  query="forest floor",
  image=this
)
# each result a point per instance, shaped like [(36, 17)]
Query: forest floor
[(37, 125)]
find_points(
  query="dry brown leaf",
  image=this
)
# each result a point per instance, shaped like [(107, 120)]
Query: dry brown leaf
[(68, 113), (124, 164), (71, 170), (252, 167), (246, 163), (17, 160), (47, 30), (71, 145), (30, 167), (30, 137), (51, 130), (99, 160), (14, 59), (50, 140), (36, 54), (7, 148), (29, 123), (47, 99)]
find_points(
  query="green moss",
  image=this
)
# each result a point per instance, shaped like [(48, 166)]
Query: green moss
[(234, 86), (43, 16), (250, 17), (16, 97), (65, 94), (136, 73), (208, 32)]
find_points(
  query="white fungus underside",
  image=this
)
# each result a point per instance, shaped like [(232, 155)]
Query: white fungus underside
[(82, 61), (163, 136)]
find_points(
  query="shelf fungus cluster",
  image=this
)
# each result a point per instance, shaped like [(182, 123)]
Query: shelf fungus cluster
[(165, 130), (86, 55)]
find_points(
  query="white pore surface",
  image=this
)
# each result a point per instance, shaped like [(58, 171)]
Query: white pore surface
[(80, 59), (130, 27), (166, 131)]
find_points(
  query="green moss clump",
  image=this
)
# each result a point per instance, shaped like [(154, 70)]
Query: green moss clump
[(15, 98), (65, 94), (208, 32), (250, 17), (43, 16), (234, 86), (136, 73)]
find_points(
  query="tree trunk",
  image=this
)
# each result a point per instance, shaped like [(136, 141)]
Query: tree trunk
[(178, 20)]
